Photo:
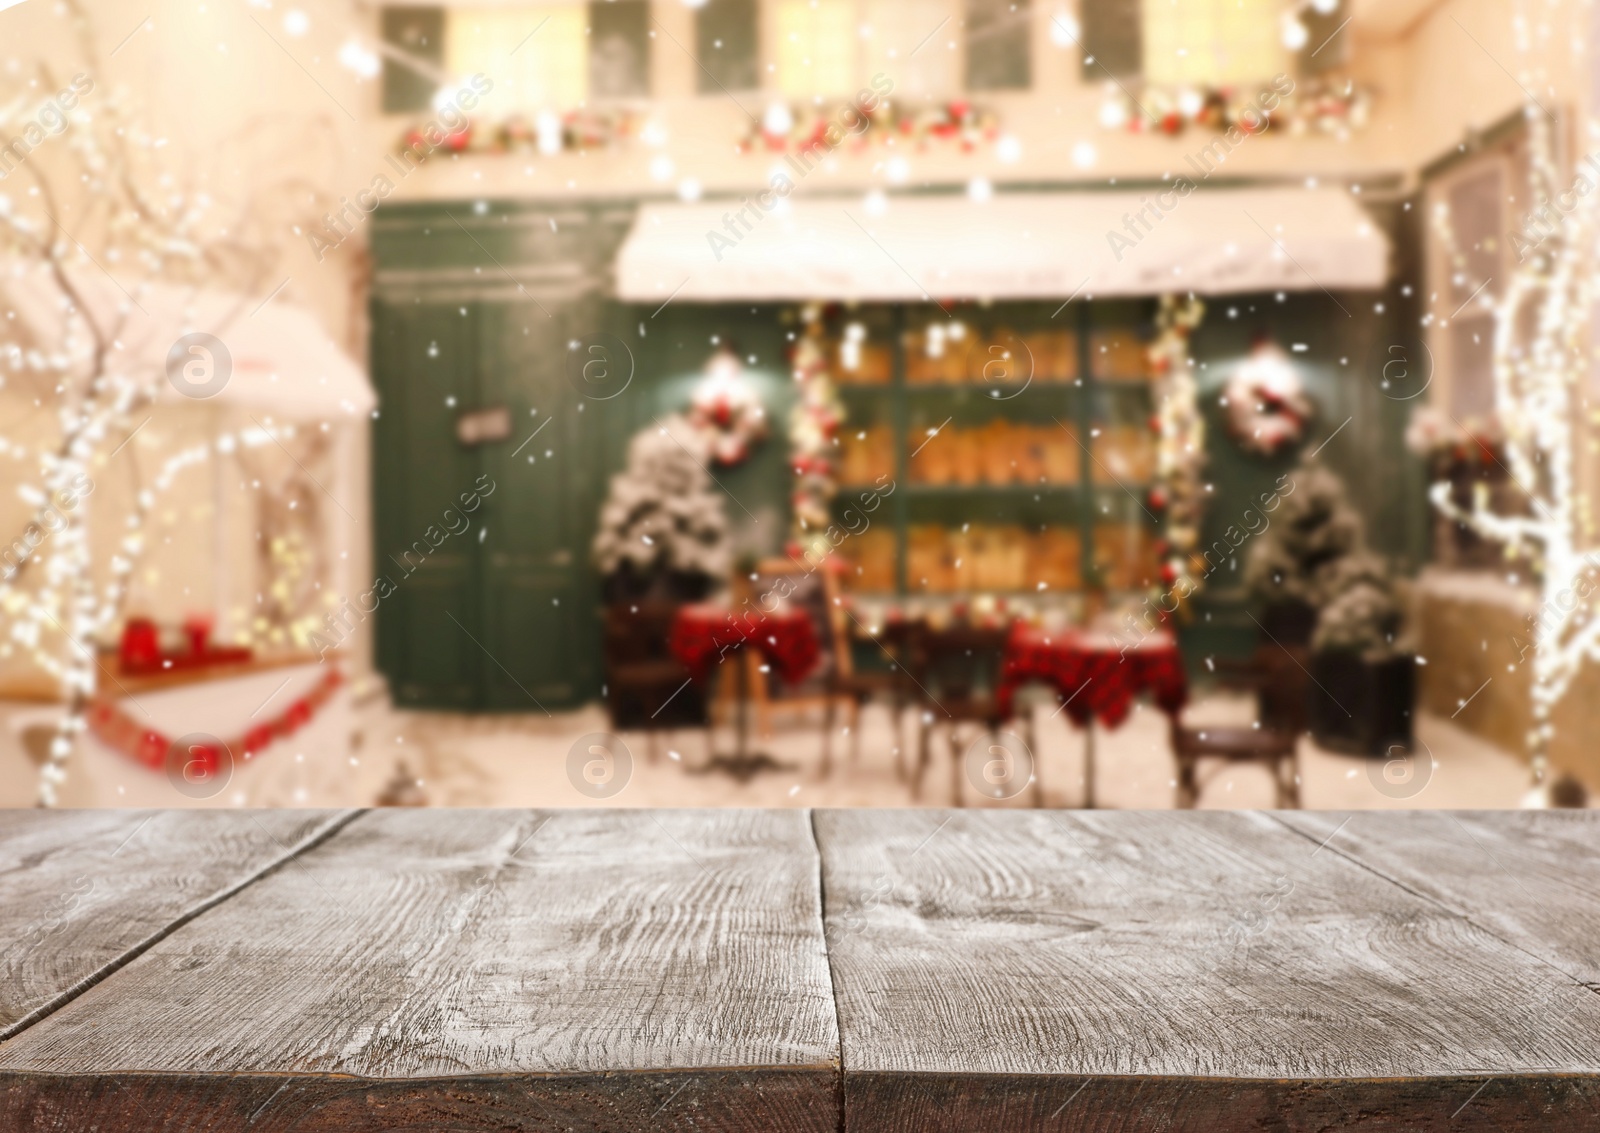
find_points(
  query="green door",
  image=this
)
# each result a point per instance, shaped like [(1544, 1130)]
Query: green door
[(425, 359), (486, 542), (538, 618)]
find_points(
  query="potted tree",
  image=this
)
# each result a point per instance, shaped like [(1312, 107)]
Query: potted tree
[(1289, 567), (1365, 678), (1326, 597)]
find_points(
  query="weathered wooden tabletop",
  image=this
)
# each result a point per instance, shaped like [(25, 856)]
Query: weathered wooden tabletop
[(892, 971)]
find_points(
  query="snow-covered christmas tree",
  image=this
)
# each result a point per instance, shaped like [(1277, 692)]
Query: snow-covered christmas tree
[(663, 522)]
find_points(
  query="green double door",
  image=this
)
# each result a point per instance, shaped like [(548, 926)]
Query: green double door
[(488, 474)]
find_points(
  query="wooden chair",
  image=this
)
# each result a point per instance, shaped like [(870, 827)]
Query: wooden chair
[(835, 681), (1279, 679), (957, 674), (645, 683)]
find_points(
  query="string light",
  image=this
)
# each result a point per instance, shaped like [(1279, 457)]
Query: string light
[(1538, 362)]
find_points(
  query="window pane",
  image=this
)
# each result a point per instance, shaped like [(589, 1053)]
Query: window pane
[(997, 45), (1213, 42), (1113, 37), (619, 49), (726, 46), (915, 43), (537, 57), (418, 32), (816, 42)]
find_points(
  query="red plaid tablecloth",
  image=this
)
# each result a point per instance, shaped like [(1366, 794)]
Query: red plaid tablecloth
[(702, 633), (1096, 672)]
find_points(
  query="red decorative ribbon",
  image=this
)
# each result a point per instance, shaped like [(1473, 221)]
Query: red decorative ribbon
[(114, 728)]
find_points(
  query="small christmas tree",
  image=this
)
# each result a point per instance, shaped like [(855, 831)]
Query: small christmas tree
[(1314, 553), (663, 521)]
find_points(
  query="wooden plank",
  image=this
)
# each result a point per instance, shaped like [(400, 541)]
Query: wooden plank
[(1530, 877), (1200, 971), (560, 970), (82, 891)]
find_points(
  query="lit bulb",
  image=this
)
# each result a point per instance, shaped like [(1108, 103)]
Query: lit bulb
[(777, 120), (296, 22), (979, 189), (877, 203), (1063, 29), (1295, 35)]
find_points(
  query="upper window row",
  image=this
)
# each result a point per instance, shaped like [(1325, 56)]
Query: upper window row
[(564, 54)]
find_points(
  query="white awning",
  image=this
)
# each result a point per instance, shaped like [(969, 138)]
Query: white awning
[(283, 362), (1027, 246)]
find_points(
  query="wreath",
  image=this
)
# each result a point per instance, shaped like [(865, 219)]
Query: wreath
[(1268, 410), (727, 411)]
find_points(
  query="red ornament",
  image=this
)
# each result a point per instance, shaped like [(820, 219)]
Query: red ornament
[(152, 749), (1158, 498)]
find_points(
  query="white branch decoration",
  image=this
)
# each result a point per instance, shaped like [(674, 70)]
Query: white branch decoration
[(1539, 362)]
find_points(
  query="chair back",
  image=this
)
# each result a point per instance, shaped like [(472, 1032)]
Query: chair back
[(957, 662), (809, 591), (637, 631), (1284, 691)]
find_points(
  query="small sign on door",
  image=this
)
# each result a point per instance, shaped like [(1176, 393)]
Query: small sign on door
[(482, 425)]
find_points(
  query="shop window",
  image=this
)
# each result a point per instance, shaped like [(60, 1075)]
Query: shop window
[(815, 47), (727, 46), (1327, 46), (1213, 42), (998, 56), (419, 32), (619, 49), (538, 57), (1112, 39)]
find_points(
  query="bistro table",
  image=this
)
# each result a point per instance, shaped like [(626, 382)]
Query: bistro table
[(1097, 676), (706, 632), (788, 971)]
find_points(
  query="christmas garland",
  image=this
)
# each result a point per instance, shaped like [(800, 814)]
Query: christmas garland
[(1180, 444), (114, 728), (813, 439)]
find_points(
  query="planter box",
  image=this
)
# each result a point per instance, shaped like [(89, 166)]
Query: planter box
[(1362, 707)]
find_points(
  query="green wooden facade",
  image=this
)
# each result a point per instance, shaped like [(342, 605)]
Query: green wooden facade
[(476, 306)]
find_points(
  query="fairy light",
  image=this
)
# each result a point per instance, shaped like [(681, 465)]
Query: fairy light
[(1539, 362)]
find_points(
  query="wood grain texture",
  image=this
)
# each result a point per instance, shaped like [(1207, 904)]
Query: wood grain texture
[(1188, 971), (1530, 877), (473, 970), (80, 890)]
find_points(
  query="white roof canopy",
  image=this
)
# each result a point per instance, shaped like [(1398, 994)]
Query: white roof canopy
[(283, 362), (1037, 245)]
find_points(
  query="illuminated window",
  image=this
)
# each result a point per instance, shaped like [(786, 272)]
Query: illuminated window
[(815, 47), (538, 58), (1213, 42)]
